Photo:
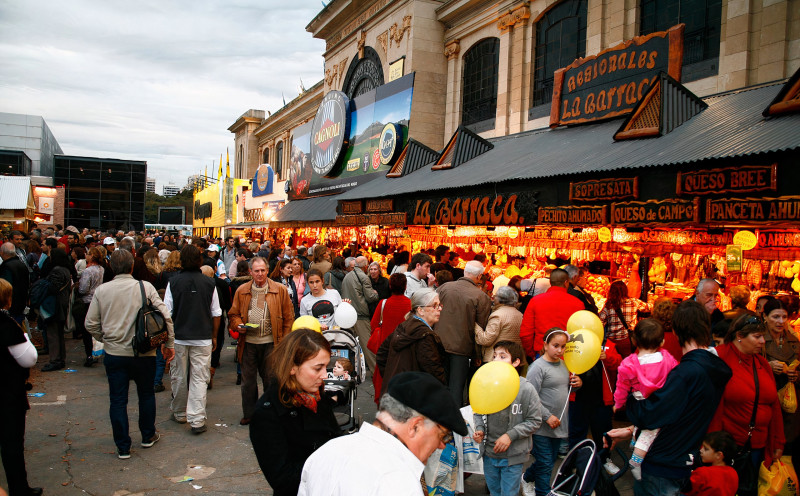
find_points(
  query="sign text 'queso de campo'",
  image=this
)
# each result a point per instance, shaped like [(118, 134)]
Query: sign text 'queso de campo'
[(611, 83)]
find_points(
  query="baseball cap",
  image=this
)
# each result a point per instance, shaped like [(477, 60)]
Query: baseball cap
[(212, 247), (425, 394), (109, 241)]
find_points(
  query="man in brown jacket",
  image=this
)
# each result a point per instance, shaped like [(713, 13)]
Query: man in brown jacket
[(266, 306), (464, 304)]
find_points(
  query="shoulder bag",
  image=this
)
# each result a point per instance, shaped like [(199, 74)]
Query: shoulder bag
[(373, 343), (621, 317), (151, 327), (743, 461)]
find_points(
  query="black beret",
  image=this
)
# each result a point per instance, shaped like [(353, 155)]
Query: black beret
[(428, 396)]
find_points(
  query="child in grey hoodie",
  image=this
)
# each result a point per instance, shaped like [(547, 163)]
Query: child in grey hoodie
[(508, 432)]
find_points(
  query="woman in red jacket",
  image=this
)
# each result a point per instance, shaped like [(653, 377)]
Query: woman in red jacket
[(742, 352), (388, 315)]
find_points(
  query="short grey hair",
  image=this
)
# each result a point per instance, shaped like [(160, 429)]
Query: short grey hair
[(349, 261), (121, 262), (376, 264), (572, 270), (703, 282), (473, 268), (506, 295), (422, 298), (253, 260), (126, 244), (398, 411), (8, 250)]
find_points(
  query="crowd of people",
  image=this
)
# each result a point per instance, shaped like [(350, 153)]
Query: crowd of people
[(693, 380)]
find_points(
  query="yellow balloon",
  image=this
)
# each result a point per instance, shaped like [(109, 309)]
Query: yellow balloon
[(582, 351), (494, 386), (584, 319), (306, 322)]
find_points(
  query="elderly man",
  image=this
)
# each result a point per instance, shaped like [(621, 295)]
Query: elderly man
[(464, 305), (265, 304), (193, 301), (16, 273), (707, 294), (576, 276), (415, 417), (111, 319), (357, 288)]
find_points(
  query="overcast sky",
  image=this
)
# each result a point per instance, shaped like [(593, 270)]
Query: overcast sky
[(159, 81)]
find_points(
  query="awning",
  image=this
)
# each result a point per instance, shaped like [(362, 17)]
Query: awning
[(732, 126), (318, 209), (15, 192)]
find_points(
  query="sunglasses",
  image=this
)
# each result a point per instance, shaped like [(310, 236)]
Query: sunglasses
[(752, 320)]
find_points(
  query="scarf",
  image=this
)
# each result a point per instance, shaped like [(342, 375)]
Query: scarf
[(308, 400)]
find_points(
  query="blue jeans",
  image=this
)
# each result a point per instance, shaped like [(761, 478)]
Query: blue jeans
[(120, 370), (161, 364), (501, 478), (545, 452), (651, 485)]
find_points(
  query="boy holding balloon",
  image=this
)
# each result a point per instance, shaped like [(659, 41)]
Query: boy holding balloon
[(508, 432)]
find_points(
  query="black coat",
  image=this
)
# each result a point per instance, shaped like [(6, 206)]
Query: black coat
[(16, 273), (284, 437)]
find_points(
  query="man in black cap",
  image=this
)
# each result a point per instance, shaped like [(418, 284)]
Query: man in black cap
[(415, 417)]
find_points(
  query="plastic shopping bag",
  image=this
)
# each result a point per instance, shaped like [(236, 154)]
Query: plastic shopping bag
[(97, 348), (441, 471), (779, 479), (788, 398)]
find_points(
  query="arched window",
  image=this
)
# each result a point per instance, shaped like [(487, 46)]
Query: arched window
[(479, 91), (703, 20), (560, 39), (265, 159), (279, 160)]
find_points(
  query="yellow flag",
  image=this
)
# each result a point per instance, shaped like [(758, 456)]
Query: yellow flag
[(227, 163), (205, 177), (219, 174)]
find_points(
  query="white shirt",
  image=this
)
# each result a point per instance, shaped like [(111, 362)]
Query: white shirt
[(413, 284), (307, 306), (375, 463), (216, 311)]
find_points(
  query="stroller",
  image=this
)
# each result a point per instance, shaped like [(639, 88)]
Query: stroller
[(581, 472), (345, 345)]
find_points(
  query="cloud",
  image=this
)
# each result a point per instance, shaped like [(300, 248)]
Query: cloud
[(153, 80)]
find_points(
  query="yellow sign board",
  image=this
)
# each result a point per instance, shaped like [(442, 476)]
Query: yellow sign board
[(604, 234), (746, 239), (396, 69)]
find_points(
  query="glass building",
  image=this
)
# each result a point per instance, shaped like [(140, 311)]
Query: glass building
[(102, 193)]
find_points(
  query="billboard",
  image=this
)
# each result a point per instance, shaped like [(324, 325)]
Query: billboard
[(361, 159), (171, 215)]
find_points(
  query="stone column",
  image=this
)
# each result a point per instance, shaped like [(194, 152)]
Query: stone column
[(452, 50)]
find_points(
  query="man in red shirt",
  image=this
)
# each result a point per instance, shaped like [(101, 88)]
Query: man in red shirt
[(550, 309)]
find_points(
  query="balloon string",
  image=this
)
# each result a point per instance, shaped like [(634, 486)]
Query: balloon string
[(565, 404)]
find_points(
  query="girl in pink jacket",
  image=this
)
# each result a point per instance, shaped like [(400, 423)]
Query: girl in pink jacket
[(641, 373)]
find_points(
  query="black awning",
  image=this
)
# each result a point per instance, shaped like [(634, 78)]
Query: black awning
[(322, 208)]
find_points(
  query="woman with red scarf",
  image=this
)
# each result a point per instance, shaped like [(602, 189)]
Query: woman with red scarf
[(292, 419)]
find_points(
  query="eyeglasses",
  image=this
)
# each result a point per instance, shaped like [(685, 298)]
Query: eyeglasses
[(437, 306), (447, 434)]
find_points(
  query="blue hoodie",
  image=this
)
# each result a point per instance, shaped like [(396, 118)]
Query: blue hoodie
[(682, 409)]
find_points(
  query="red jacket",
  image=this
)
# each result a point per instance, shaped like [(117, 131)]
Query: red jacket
[(736, 406), (550, 309), (714, 481), (394, 313)]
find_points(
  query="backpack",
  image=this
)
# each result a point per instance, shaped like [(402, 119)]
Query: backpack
[(40, 290)]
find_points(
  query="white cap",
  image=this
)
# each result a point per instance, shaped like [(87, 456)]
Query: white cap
[(213, 247), (109, 241)]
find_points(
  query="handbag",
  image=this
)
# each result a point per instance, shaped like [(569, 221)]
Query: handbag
[(621, 317), (743, 460), (373, 345), (151, 327)]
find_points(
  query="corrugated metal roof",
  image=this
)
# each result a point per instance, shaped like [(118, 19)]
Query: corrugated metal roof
[(14, 192), (732, 126), (311, 209)]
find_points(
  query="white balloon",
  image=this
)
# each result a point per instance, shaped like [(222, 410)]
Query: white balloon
[(345, 315)]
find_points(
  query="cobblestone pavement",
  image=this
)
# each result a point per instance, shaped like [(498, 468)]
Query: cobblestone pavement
[(70, 450)]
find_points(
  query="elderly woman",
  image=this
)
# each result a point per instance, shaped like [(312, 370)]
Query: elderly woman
[(379, 283), (413, 346), (292, 419), (503, 325), (751, 394)]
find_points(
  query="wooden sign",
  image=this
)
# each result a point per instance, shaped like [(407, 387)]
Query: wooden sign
[(489, 210), (351, 207), (785, 209), (664, 212), (382, 205), (573, 215), (390, 219), (612, 82), (744, 179), (605, 189), (779, 239)]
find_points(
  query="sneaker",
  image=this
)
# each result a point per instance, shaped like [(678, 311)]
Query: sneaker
[(611, 467), (199, 430), (153, 440), (528, 488), (158, 388), (123, 455), (178, 420)]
